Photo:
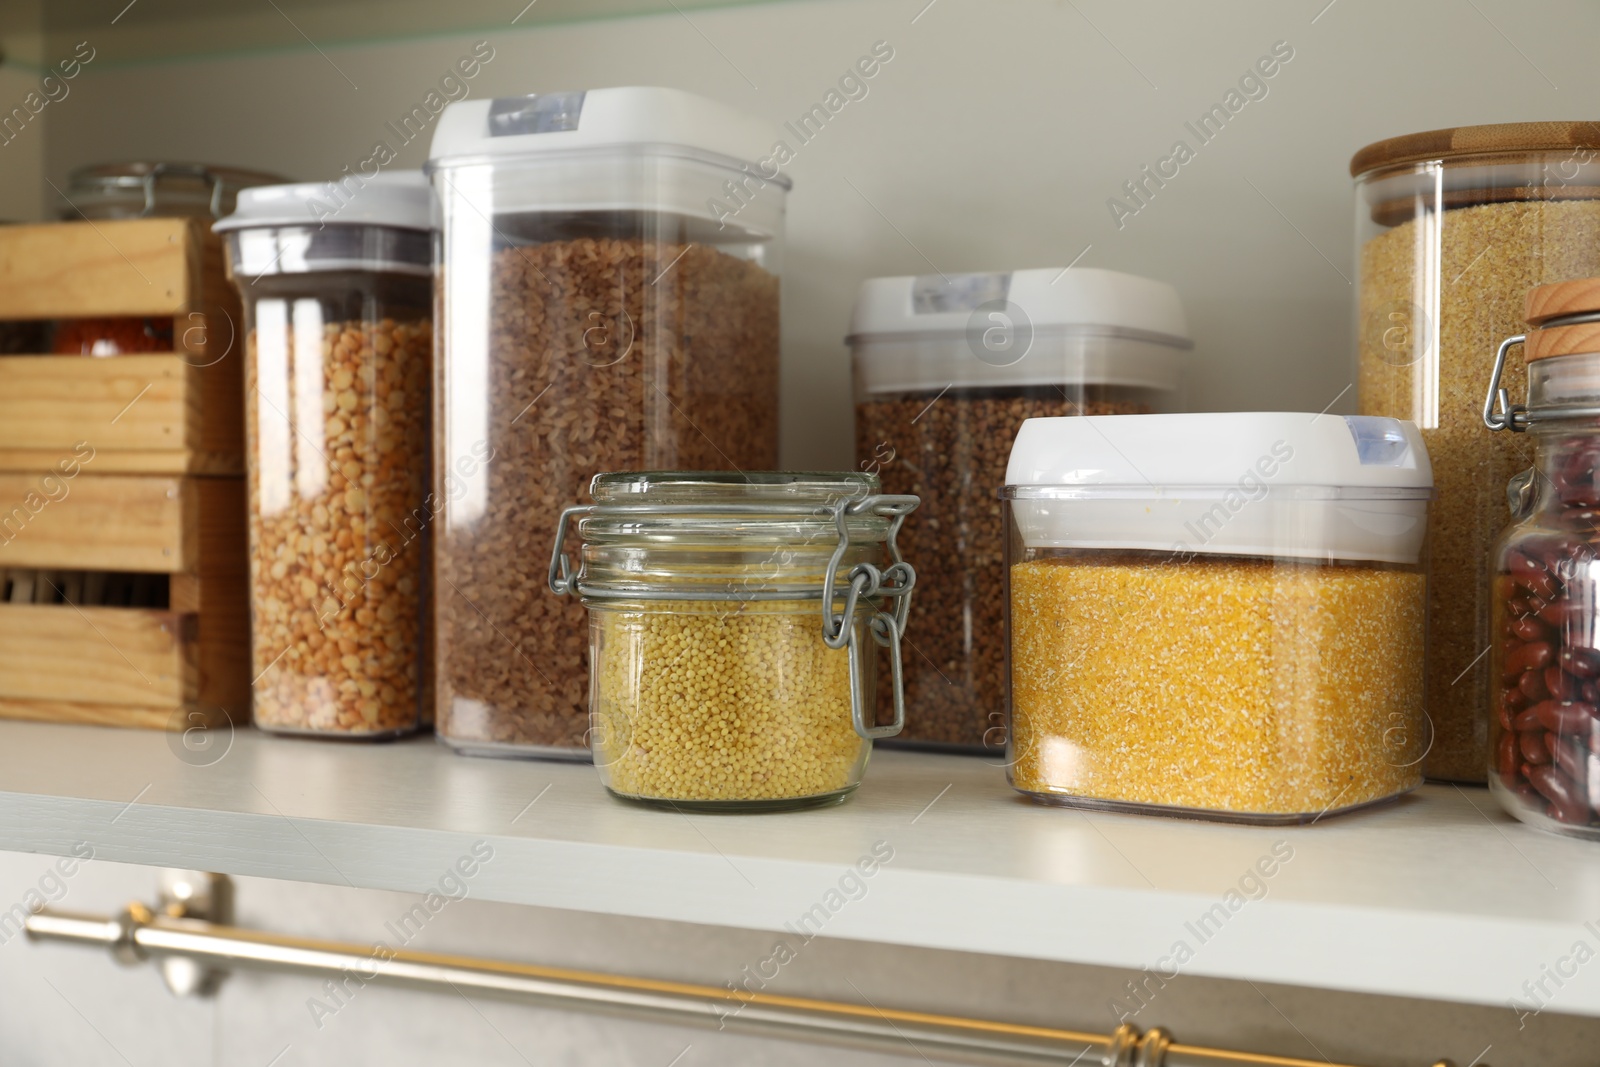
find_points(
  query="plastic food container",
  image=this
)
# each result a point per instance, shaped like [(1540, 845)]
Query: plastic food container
[(732, 624), (1453, 228), (1544, 726), (337, 367), (610, 302), (946, 371), (1217, 616)]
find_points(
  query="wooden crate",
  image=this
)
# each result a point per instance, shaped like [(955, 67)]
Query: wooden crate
[(155, 445), (173, 413)]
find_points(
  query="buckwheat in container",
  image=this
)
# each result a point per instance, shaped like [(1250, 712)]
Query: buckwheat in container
[(609, 301), (1217, 616), (947, 368)]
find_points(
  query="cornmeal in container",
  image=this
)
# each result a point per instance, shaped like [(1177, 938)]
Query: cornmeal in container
[(1216, 615)]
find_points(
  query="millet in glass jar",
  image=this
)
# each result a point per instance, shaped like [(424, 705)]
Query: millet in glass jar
[(710, 702)]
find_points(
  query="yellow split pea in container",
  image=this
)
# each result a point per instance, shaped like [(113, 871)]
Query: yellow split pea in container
[(733, 620), (1217, 616)]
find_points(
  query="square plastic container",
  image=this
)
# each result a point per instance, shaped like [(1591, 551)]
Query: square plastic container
[(1217, 616), (609, 301)]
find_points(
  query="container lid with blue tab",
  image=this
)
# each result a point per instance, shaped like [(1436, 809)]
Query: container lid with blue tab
[(1277, 484)]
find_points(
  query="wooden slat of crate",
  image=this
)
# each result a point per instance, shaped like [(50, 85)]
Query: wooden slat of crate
[(113, 522), (131, 657), (138, 403), (211, 338), (124, 462), (218, 592), (149, 718), (127, 267), (143, 414)]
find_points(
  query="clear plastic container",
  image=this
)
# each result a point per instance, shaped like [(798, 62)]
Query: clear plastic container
[(338, 357), (1216, 616), (947, 368), (609, 299), (1544, 723), (1453, 228), (732, 623)]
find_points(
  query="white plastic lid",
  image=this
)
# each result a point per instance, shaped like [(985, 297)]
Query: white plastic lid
[(401, 199), (1018, 328), (661, 152), (1236, 483), (629, 116), (1051, 298)]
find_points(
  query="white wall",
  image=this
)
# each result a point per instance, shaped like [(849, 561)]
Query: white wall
[(992, 141), (21, 157)]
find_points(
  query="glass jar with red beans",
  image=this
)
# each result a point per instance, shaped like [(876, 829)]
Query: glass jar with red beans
[(1544, 726)]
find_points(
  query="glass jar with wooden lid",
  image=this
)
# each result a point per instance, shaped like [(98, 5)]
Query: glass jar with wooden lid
[(1453, 227), (1544, 719)]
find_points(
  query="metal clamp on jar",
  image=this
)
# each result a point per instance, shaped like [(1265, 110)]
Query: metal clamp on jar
[(714, 683), (1544, 727)]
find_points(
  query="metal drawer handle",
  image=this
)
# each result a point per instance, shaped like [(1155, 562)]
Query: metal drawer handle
[(177, 942)]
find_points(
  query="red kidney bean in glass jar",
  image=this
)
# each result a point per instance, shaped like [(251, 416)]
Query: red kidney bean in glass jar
[(1545, 731)]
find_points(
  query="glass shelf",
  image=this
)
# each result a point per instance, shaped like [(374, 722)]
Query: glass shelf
[(32, 32)]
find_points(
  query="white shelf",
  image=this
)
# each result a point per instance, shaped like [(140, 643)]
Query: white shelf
[(1436, 896)]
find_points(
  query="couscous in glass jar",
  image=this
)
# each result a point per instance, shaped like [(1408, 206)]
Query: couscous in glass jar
[(733, 619)]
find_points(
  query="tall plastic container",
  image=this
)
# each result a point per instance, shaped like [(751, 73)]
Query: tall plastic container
[(609, 301), (947, 368), (338, 357)]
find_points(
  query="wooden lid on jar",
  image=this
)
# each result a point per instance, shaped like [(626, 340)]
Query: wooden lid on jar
[(1508, 140), (1547, 303)]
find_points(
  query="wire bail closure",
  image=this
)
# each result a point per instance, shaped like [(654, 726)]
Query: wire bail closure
[(153, 176), (864, 581), (1499, 413)]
